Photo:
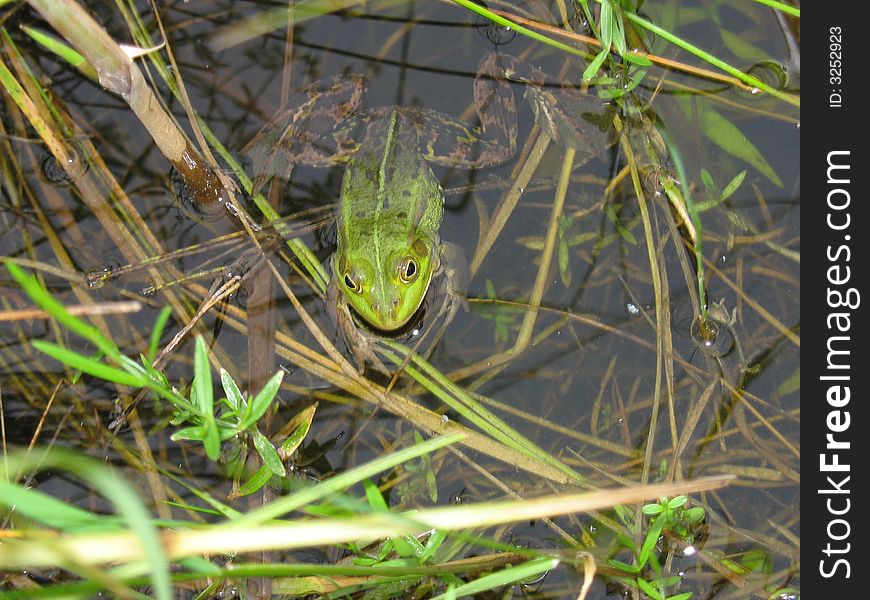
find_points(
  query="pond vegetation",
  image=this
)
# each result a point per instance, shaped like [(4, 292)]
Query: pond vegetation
[(615, 412)]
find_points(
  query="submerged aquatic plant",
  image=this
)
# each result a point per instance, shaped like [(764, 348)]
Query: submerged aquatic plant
[(228, 469)]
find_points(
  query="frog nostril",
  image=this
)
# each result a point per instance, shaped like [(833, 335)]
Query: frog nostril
[(394, 309)]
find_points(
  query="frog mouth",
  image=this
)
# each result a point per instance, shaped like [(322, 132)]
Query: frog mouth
[(407, 332)]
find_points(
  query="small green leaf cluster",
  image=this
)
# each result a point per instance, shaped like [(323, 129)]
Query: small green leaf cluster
[(714, 194), (613, 34), (503, 317), (421, 482), (671, 515), (666, 516), (406, 550), (196, 410), (239, 417), (759, 561)]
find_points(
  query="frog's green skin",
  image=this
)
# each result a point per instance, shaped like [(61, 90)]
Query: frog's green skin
[(388, 220), (390, 209)]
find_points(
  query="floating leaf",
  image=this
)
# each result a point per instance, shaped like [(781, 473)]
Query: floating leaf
[(576, 240), (624, 233), (563, 251), (757, 561), (532, 243), (564, 261)]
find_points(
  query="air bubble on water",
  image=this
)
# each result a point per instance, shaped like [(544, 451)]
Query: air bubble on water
[(56, 171), (711, 338), (497, 34)]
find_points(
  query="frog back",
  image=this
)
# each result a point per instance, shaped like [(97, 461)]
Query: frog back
[(388, 183)]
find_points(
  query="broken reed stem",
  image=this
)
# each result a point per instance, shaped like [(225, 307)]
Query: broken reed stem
[(117, 73)]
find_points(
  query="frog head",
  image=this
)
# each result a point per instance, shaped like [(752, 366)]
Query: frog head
[(386, 288)]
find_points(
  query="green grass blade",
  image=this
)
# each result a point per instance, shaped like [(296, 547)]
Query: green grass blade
[(506, 577), (88, 365), (126, 500), (458, 399), (50, 511), (781, 6), (157, 331), (46, 302), (500, 20), (706, 56), (62, 50)]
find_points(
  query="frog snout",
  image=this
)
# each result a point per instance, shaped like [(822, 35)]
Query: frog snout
[(387, 307), (392, 304)]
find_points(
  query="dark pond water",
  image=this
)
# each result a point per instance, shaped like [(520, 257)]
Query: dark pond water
[(598, 357)]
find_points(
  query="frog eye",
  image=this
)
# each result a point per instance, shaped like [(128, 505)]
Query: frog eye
[(351, 283), (408, 270)]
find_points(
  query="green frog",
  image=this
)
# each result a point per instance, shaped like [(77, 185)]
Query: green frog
[(389, 250)]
